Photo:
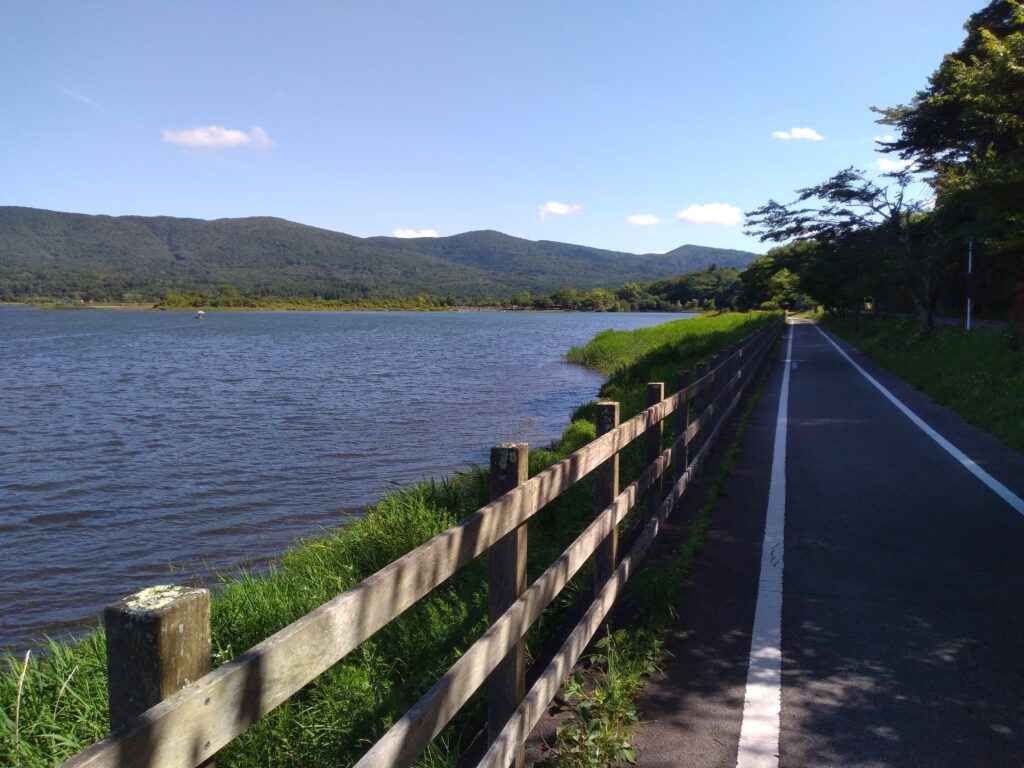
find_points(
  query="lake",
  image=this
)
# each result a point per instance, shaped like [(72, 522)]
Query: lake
[(139, 448)]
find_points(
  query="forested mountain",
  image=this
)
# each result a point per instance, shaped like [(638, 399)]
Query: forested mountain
[(514, 255), (53, 254)]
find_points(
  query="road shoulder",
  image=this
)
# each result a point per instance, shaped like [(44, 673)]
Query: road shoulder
[(692, 711)]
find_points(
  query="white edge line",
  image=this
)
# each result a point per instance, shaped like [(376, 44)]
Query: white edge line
[(762, 705), (969, 464)]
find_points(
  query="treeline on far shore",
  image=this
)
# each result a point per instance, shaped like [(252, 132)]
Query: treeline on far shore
[(708, 289)]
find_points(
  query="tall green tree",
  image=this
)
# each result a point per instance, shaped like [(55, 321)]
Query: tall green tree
[(967, 127), (968, 124), (849, 211), (971, 115)]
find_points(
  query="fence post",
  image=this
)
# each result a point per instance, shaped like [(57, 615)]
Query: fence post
[(506, 686), (681, 456), (701, 407), (606, 482), (652, 447), (717, 372), (158, 642), (715, 368), (730, 370)]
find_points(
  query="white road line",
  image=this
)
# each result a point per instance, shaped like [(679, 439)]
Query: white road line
[(759, 732), (1004, 493)]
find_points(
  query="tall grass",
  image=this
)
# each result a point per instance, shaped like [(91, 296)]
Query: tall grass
[(632, 358), (56, 704), (978, 373)]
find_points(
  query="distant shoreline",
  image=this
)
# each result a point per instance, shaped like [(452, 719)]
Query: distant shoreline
[(149, 306)]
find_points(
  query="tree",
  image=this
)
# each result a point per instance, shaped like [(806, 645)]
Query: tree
[(754, 282), (784, 289), (599, 300), (974, 101), (967, 127), (565, 297), (521, 299), (849, 210), (781, 276), (968, 124)]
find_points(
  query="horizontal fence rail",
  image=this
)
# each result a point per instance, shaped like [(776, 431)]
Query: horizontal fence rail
[(187, 727)]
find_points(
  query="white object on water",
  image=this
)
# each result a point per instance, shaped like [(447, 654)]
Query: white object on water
[(200, 314)]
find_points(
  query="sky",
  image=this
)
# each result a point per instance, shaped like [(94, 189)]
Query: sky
[(634, 126)]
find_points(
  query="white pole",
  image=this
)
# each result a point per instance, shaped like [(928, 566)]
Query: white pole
[(970, 270)]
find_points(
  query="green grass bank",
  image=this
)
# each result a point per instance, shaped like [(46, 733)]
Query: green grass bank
[(55, 703), (978, 373)]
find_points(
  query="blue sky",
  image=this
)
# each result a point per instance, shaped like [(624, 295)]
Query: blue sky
[(547, 120)]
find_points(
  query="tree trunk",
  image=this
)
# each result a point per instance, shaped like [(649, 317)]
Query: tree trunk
[(1017, 314), (924, 297), (924, 318)]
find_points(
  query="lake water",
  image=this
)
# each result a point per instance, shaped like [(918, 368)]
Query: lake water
[(139, 448)]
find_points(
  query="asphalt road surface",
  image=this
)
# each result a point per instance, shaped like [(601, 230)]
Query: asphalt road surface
[(879, 619)]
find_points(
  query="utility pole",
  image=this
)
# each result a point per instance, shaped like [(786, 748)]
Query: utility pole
[(970, 281)]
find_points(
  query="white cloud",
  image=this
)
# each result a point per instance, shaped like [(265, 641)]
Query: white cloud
[(892, 166), (552, 208), (887, 139), (81, 97), (415, 233), (808, 134), (714, 213), (219, 137), (643, 219)]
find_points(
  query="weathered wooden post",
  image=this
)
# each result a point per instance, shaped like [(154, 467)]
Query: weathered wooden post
[(506, 686), (606, 481), (716, 376), (652, 449), (701, 407), (716, 397), (728, 362), (652, 446), (681, 457), (158, 642), (742, 352)]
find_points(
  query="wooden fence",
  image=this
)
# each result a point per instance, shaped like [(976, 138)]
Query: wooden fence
[(159, 639)]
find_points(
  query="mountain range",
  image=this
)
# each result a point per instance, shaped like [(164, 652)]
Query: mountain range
[(49, 253)]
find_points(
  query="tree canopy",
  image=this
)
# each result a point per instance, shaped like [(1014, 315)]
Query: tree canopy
[(851, 215), (874, 241)]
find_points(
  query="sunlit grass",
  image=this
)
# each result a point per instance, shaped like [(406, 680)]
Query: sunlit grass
[(632, 358)]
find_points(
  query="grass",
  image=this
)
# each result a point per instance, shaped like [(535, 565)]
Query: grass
[(632, 358), (55, 703), (619, 352), (978, 373), (604, 714)]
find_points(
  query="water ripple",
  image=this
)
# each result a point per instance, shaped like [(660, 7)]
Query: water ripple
[(143, 447)]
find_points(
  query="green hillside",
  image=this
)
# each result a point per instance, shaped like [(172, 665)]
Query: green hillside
[(514, 255), (53, 254)]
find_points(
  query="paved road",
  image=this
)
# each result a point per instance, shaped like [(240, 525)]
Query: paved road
[(902, 584)]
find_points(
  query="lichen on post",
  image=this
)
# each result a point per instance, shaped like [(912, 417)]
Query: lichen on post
[(158, 642)]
